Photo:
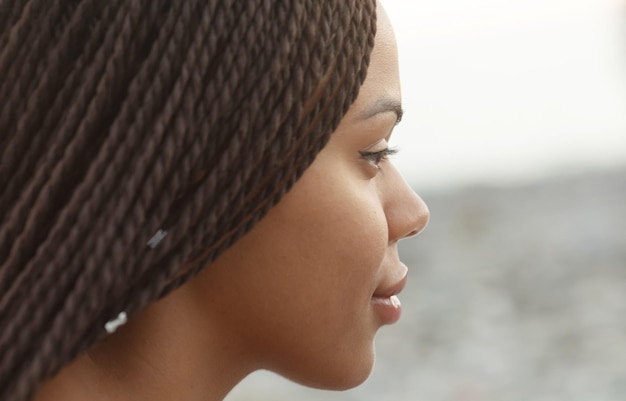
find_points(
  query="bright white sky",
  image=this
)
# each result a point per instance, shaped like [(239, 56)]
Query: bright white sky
[(498, 91)]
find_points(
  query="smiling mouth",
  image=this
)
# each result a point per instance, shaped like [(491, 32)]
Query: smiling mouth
[(386, 303), (392, 301)]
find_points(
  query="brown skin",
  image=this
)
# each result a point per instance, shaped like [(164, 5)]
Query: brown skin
[(295, 294)]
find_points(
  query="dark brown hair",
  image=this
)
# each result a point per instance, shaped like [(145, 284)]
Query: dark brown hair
[(141, 136)]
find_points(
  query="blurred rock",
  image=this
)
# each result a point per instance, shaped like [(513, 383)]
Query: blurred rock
[(515, 294)]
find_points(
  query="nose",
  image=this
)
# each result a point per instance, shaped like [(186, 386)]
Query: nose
[(406, 212)]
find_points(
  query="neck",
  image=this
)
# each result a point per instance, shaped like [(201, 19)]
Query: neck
[(164, 353)]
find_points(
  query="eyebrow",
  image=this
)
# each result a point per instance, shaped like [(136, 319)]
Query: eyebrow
[(383, 105)]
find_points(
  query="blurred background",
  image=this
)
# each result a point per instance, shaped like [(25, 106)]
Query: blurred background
[(515, 135)]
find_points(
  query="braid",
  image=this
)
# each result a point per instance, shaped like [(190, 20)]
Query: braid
[(122, 119), (71, 223)]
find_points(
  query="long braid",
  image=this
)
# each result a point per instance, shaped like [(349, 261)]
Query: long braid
[(225, 199), (190, 117), (211, 188), (56, 183), (43, 151), (75, 236), (43, 256)]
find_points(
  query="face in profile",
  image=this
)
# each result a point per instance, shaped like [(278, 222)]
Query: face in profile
[(304, 292)]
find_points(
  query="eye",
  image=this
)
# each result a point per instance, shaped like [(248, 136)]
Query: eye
[(375, 158)]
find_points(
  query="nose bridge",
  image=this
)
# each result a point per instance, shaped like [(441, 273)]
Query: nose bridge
[(406, 212)]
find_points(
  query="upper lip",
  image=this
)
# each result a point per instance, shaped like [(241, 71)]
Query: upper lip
[(391, 290)]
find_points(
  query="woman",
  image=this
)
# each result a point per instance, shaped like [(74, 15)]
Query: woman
[(176, 212)]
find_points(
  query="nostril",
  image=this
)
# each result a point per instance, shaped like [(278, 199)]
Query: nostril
[(413, 233), (422, 221)]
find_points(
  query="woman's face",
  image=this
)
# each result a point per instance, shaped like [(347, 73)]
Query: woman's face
[(306, 290)]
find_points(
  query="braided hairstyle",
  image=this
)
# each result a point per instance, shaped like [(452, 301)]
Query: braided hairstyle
[(139, 139)]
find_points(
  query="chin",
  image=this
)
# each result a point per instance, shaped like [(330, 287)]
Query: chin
[(338, 374)]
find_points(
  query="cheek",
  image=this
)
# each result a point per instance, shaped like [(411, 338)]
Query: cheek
[(337, 229)]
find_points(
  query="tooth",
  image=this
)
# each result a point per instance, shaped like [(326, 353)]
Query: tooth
[(395, 301)]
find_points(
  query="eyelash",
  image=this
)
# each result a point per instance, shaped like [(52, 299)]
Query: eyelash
[(377, 157)]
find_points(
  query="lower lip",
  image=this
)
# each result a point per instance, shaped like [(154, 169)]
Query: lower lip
[(388, 308)]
